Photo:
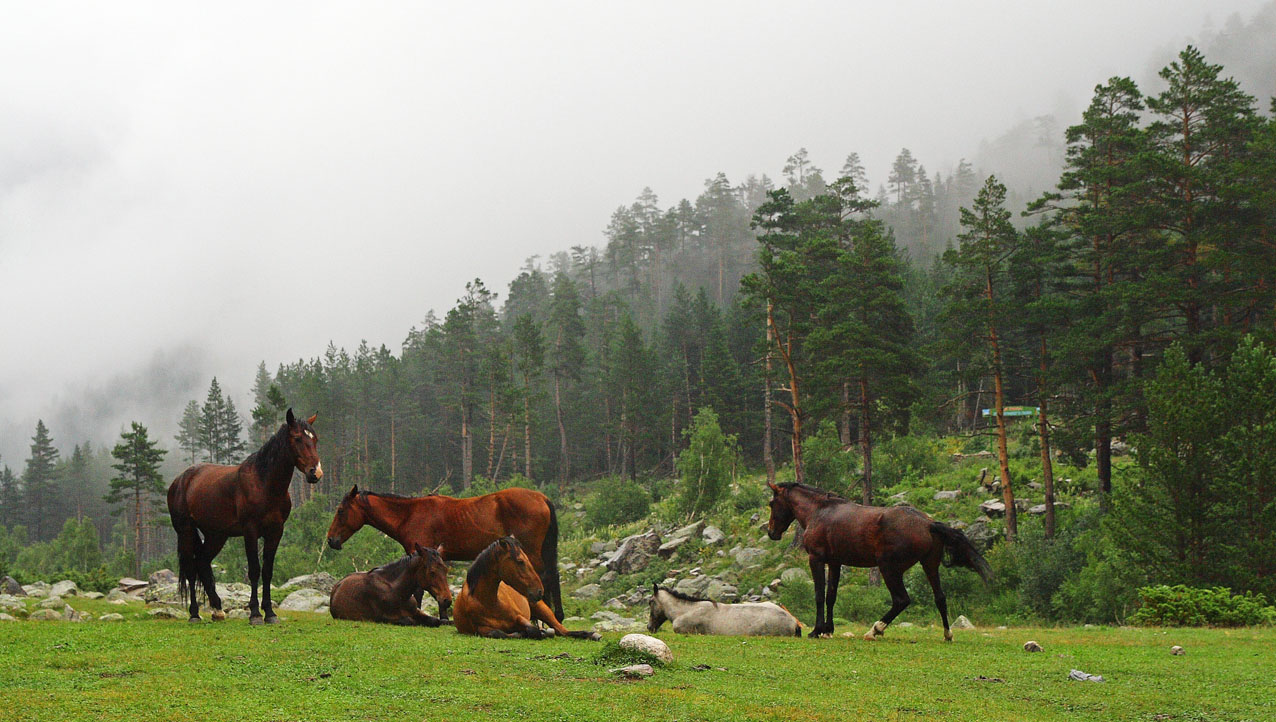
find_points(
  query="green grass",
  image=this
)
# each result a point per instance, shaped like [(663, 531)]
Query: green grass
[(314, 668)]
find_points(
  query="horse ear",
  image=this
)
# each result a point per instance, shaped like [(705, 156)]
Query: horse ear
[(774, 489), (655, 587), (312, 418), (292, 420), (353, 490), (420, 550), (439, 549)]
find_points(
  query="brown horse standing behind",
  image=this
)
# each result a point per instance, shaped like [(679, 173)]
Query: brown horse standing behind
[(250, 500), (385, 593), (502, 595), (464, 527), (892, 539)]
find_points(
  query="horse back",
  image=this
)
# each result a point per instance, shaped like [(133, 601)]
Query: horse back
[(465, 527), (225, 499)]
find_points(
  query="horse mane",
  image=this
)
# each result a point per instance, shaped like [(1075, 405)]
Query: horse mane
[(400, 565), (825, 495), (264, 458), (383, 494), (684, 597), (483, 561)]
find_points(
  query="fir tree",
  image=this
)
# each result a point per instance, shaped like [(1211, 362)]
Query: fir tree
[(39, 482), (137, 462)]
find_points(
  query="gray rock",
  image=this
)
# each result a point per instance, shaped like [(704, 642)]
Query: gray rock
[(163, 576), (117, 595), (52, 602), (1034, 485), (70, 615), (166, 613), (39, 589), (237, 614), (161, 594), (1031, 646), (669, 548), (793, 575), (1080, 676), (603, 547), (304, 600), (634, 553), (10, 586), (589, 591), (608, 578), (112, 617), (649, 645), (720, 591), (7, 617), (963, 623), (92, 595), (130, 585), (904, 625), (946, 495), (1176, 650), (1037, 510), (634, 671), (323, 581), (614, 603), (712, 535), (694, 586), (8, 601), (606, 621), (749, 555), (980, 534), (64, 588), (993, 507), (118, 602), (322, 609), (46, 615), (689, 530)]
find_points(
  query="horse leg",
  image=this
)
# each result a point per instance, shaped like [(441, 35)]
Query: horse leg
[(542, 612), (835, 575), (188, 563), (931, 567), (817, 576), (254, 574), (268, 570), (900, 600), (212, 546), (418, 617)]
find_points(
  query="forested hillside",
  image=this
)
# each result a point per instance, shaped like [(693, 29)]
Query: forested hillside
[(817, 314)]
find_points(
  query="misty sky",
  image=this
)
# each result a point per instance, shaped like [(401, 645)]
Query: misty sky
[(185, 191)]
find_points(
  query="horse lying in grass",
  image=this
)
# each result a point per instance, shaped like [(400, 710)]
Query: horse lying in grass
[(689, 615), (892, 539), (385, 593), (503, 594)]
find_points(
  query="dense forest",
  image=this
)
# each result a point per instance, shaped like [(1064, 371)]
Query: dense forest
[(1132, 305)]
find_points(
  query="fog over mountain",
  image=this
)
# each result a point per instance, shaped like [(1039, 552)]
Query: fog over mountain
[(186, 191)]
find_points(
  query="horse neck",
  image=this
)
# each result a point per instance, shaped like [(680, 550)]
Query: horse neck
[(673, 606), (405, 584), (279, 471), (387, 515), (488, 585), (803, 503)]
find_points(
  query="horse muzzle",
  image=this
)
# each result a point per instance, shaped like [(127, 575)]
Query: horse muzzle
[(774, 535), (334, 542), (314, 475)]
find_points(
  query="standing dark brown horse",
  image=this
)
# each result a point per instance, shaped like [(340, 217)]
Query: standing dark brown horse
[(840, 532), (384, 594), (464, 527), (250, 500)]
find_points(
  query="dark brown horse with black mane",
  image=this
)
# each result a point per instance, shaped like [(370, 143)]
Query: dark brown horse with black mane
[(384, 594), (503, 597), (209, 503), (840, 532), (464, 527)]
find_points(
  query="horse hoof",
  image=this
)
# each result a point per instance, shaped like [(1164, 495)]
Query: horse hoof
[(596, 637), (272, 619), (195, 620), (218, 615), (948, 636), (256, 621), (869, 636)]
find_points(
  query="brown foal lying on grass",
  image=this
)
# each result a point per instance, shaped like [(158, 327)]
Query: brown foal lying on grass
[(385, 594)]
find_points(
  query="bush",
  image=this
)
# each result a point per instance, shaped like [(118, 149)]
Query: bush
[(827, 465), (751, 496), (906, 459), (617, 501), (706, 465), (1184, 606)]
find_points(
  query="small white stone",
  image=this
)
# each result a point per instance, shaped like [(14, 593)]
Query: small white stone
[(648, 644)]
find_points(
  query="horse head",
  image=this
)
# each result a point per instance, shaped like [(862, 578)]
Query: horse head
[(305, 447), (781, 513), (429, 571), (350, 517), (515, 569), (658, 616)]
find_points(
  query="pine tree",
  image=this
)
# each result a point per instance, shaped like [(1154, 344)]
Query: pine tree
[(137, 461), (529, 358), (233, 433), (212, 416), (10, 498), (565, 331), (39, 482), (268, 405), (190, 438)]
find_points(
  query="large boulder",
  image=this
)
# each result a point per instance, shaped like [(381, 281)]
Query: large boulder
[(161, 594), (603, 547), (589, 591), (649, 645), (946, 495), (993, 508), (92, 595), (7, 617), (304, 600), (980, 534), (64, 588), (678, 537), (52, 602), (712, 535), (611, 622), (794, 575), (129, 585), (38, 589), (323, 581), (46, 615), (749, 555), (634, 553), (119, 595), (720, 591), (693, 587), (10, 586), (163, 576)]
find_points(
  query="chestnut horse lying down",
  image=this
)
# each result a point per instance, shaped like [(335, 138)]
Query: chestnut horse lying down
[(689, 615), (503, 594), (385, 593)]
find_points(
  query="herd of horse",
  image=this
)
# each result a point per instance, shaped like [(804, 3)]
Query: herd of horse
[(511, 537)]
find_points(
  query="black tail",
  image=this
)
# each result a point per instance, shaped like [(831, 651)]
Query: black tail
[(549, 557), (190, 547), (960, 552)]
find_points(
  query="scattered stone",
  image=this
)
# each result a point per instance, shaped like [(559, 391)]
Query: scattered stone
[(1034, 485), (614, 603), (980, 534), (1080, 676), (1031, 646), (7, 617), (611, 622), (237, 614), (634, 553), (720, 591), (64, 588), (161, 594), (323, 581), (693, 587), (946, 495), (602, 547), (46, 615), (993, 508), (749, 555), (112, 617), (52, 603), (163, 576), (634, 671), (1037, 510), (166, 613), (129, 585), (1176, 650), (304, 600), (39, 589), (794, 575), (92, 595), (567, 566), (712, 535), (904, 625), (648, 644), (10, 586), (589, 591), (963, 623), (118, 602), (608, 578)]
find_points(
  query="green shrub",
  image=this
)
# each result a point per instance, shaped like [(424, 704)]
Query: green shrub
[(827, 465), (613, 655), (906, 459), (751, 496), (616, 501), (1184, 606), (706, 465)]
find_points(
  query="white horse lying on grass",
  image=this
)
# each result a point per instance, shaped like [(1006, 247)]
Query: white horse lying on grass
[(689, 615)]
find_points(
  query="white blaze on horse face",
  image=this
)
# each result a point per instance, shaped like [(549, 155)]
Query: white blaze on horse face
[(309, 433), (319, 470)]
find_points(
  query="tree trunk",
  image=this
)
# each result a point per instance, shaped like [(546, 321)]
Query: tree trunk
[(137, 530), (467, 448), (564, 461), (1007, 491), (768, 460), (844, 419), (866, 443), (393, 458), (491, 432), (1043, 431), (527, 432)]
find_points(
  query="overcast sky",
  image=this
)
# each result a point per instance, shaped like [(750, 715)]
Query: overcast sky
[(185, 191)]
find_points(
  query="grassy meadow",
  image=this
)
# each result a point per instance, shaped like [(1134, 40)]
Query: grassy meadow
[(314, 668)]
